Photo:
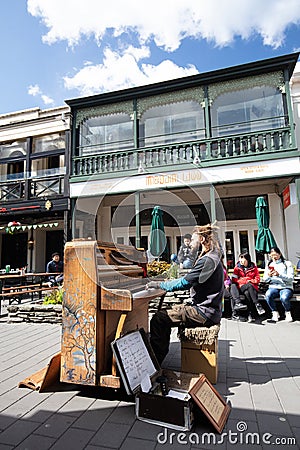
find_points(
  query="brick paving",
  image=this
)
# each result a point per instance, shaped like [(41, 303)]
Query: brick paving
[(259, 373)]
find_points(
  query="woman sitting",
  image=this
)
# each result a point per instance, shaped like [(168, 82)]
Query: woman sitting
[(279, 273), (246, 279)]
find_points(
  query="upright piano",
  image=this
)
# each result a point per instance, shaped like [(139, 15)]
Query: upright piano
[(104, 297)]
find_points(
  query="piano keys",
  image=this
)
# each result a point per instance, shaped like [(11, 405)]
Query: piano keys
[(104, 297)]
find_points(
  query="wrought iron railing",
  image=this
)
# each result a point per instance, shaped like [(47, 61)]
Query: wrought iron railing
[(220, 150)]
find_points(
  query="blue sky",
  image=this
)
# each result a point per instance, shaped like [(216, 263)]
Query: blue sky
[(54, 50)]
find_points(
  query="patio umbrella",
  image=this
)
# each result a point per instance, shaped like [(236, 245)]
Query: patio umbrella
[(265, 239), (158, 239)]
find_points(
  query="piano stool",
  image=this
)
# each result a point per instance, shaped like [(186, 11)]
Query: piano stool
[(199, 351)]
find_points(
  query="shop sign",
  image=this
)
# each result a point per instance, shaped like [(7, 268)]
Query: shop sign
[(286, 197)]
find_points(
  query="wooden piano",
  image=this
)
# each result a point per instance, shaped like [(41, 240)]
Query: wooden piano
[(104, 297)]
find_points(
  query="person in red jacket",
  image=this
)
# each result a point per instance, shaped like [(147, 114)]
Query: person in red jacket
[(246, 278)]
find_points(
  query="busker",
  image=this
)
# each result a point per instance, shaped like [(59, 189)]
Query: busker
[(206, 284)]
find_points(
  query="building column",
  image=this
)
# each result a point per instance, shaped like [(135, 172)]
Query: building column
[(137, 202), (213, 214)]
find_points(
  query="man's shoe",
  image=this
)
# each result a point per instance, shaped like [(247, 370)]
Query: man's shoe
[(259, 309), (288, 317), (239, 307), (250, 319), (275, 316)]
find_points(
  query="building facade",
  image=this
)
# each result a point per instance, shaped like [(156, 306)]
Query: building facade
[(202, 147), (34, 186)]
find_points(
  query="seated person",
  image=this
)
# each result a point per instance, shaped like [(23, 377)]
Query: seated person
[(246, 278), (231, 293), (55, 265), (298, 266), (187, 254), (279, 275), (206, 284)]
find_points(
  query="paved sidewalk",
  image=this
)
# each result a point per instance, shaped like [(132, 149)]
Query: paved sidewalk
[(259, 372)]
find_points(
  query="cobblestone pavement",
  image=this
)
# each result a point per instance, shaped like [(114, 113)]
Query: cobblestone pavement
[(259, 373)]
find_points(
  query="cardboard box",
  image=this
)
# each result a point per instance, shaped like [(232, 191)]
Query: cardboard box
[(200, 359), (140, 370)]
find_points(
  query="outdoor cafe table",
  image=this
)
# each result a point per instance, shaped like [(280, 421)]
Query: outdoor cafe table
[(21, 284)]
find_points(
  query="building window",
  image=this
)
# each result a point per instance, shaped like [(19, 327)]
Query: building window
[(176, 122), (49, 143), (48, 166), (247, 110), (105, 133), (13, 149)]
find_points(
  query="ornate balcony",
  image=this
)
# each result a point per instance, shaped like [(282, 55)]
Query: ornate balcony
[(231, 149)]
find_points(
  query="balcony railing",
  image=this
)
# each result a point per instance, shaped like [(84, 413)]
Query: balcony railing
[(38, 188), (12, 190), (46, 187), (214, 151)]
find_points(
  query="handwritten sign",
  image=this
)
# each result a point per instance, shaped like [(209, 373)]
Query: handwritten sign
[(135, 359)]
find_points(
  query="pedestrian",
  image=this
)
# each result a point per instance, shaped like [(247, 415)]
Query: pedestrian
[(279, 274), (206, 284), (55, 266)]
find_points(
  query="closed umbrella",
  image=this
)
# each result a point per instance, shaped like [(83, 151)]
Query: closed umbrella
[(265, 239), (158, 239)]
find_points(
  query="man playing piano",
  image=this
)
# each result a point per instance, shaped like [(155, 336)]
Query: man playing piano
[(206, 284)]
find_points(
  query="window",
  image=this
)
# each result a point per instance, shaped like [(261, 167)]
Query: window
[(247, 110), (106, 133), (176, 122), (48, 166), (13, 149), (48, 143)]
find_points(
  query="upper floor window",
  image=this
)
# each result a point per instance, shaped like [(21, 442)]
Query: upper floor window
[(48, 143), (248, 110), (174, 122), (14, 170), (106, 133), (13, 149), (48, 166)]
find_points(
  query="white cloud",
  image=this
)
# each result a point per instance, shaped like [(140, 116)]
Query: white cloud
[(35, 91), (167, 23), (122, 71), (162, 23), (47, 100)]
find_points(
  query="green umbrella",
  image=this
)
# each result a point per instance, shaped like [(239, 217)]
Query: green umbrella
[(158, 239), (265, 239)]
